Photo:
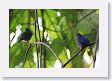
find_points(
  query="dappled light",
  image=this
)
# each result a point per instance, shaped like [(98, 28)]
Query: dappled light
[(15, 35), (53, 38), (57, 64)]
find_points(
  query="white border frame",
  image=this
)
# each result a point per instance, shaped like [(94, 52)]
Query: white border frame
[(102, 71)]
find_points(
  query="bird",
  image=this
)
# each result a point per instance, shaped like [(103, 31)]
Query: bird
[(88, 55), (26, 36), (82, 41)]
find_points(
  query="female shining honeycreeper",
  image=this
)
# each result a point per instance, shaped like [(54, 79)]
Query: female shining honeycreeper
[(26, 36), (82, 41)]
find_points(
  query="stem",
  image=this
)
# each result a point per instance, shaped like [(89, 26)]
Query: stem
[(12, 39), (97, 45), (74, 24), (50, 19), (36, 38), (84, 17), (29, 18), (43, 39), (26, 53), (40, 62), (50, 49), (77, 53), (27, 23)]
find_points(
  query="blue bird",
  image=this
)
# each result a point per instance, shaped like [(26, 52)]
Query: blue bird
[(26, 36), (82, 41)]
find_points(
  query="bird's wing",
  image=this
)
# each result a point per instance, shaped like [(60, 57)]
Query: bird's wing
[(21, 36), (84, 40)]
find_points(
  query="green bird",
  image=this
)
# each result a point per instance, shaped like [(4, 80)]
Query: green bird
[(26, 36)]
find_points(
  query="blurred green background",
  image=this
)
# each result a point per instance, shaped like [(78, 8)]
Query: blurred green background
[(61, 26)]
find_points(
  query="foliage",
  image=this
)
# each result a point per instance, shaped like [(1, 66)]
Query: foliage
[(62, 26)]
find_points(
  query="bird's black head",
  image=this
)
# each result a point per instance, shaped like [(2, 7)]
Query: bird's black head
[(79, 35), (27, 30)]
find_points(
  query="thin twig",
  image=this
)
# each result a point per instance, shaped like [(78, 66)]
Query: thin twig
[(26, 53), (43, 39), (50, 49), (29, 18), (27, 23), (36, 18), (40, 62), (77, 53), (36, 38), (40, 40), (84, 17), (97, 45), (50, 19), (12, 39), (73, 24)]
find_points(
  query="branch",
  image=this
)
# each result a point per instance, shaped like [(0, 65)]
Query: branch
[(40, 62), (26, 53), (36, 21), (50, 19), (74, 24), (77, 53), (28, 18), (27, 23), (84, 17), (50, 49), (97, 45), (43, 39), (12, 39)]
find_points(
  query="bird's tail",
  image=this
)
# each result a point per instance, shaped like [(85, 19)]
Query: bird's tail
[(89, 50)]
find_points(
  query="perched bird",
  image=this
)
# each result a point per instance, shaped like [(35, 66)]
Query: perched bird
[(26, 36), (82, 41)]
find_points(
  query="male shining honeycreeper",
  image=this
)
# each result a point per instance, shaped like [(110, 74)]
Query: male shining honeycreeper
[(26, 36), (82, 41)]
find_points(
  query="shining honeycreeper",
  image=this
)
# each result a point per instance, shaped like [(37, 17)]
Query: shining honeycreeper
[(82, 41), (26, 36)]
